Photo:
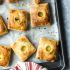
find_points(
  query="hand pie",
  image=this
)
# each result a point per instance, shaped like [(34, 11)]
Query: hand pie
[(17, 20), (4, 56), (47, 50), (39, 15), (23, 48), (11, 1), (3, 28)]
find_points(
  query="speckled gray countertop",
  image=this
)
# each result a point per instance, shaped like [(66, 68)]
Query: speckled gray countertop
[(64, 12)]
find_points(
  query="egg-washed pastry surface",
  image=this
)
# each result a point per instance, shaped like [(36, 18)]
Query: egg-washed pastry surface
[(4, 56), (40, 15), (17, 20), (23, 48), (3, 28), (11, 1), (36, 1), (47, 50)]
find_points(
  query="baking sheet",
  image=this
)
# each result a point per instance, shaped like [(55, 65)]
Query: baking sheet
[(34, 34)]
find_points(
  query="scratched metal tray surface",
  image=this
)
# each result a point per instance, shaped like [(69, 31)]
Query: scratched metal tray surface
[(34, 34)]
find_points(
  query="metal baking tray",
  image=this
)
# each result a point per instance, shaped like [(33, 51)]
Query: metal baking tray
[(34, 34)]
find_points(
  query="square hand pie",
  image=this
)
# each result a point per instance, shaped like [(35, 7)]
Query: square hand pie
[(11, 1), (3, 28), (4, 56), (47, 50), (40, 15), (17, 20), (23, 48)]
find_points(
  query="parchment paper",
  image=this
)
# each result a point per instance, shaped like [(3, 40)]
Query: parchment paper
[(33, 34)]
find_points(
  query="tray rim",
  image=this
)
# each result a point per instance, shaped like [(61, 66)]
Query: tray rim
[(59, 30)]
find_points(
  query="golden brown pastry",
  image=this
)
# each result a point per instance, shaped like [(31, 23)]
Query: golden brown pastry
[(23, 48), (11, 1), (36, 1), (39, 15), (3, 28), (47, 49), (17, 20), (4, 56)]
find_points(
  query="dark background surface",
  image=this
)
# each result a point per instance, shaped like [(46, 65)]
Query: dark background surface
[(64, 15)]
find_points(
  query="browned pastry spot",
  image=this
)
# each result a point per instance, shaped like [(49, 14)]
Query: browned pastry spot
[(4, 56), (37, 1), (3, 28), (11, 1)]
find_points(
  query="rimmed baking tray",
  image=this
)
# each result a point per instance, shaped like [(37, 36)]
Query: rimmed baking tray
[(52, 32)]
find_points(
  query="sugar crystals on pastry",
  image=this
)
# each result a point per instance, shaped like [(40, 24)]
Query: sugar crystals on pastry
[(39, 15), (5, 53), (17, 20), (47, 49), (3, 28), (23, 48)]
